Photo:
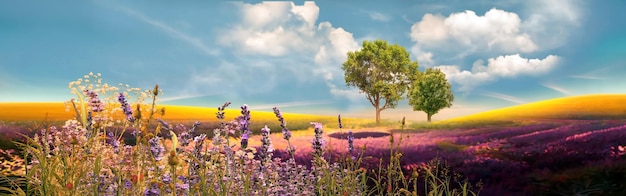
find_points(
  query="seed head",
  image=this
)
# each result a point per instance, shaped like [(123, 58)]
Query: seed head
[(155, 91)]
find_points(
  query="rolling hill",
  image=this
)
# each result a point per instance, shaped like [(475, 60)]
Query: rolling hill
[(611, 106)]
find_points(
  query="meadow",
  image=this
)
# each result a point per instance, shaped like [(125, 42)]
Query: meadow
[(112, 147)]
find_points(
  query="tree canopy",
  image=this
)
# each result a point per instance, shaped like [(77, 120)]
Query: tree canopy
[(431, 92), (382, 72)]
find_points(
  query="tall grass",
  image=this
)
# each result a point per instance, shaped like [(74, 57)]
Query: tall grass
[(88, 156)]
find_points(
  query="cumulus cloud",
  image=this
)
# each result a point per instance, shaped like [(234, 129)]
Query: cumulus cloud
[(283, 29), (495, 35), (551, 22), (272, 28), (497, 30), (508, 66)]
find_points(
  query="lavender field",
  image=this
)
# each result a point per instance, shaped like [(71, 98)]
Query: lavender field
[(114, 147), (540, 158)]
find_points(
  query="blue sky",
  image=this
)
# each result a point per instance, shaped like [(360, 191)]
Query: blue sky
[(289, 54)]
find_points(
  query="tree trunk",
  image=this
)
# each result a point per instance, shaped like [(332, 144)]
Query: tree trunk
[(429, 115), (377, 116)]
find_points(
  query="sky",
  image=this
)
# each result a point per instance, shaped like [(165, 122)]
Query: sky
[(289, 53)]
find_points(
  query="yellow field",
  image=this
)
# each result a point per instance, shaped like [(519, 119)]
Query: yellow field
[(57, 112), (604, 105)]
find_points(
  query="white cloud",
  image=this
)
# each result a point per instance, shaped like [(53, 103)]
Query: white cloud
[(274, 28), (377, 16), (501, 67), (286, 30), (546, 25), (353, 95), (513, 65), (504, 97), (466, 79), (550, 22), (425, 59), (497, 30), (557, 88)]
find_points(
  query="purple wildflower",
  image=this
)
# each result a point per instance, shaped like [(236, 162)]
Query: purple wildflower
[(220, 110), (283, 124), (318, 142), (164, 124), (194, 127), (198, 143), (244, 140), (128, 111), (128, 184), (184, 186), (350, 142), (113, 142), (89, 123), (152, 190), (266, 147), (156, 148), (244, 123), (184, 138), (94, 102), (166, 178)]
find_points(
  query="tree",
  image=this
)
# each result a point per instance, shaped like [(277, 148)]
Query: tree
[(382, 72), (431, 93)]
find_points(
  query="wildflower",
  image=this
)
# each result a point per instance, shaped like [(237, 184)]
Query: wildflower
[(185, 138), (183, 187), (283, 124), (94, 102), (173, 158), (198, 141), (152, 190), (220, 110), (89, 122), (164, 124), (318, 142), (339, 119), (350, 141), (266, 147), (244, 123), (244, 140), (156, 148), (138, 112), (126, 108), (155, 91), (194, 127), (113, 142), (166, 178), (128, 184), (69, 185)]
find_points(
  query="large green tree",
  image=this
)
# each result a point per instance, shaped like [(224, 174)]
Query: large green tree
[(381, 71), (431, 92)]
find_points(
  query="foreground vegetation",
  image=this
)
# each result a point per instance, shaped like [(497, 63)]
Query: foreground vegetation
[(529, 157), (88, 155)]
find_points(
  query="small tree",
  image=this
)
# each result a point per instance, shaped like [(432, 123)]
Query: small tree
[(431, 93), (382, 72)]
